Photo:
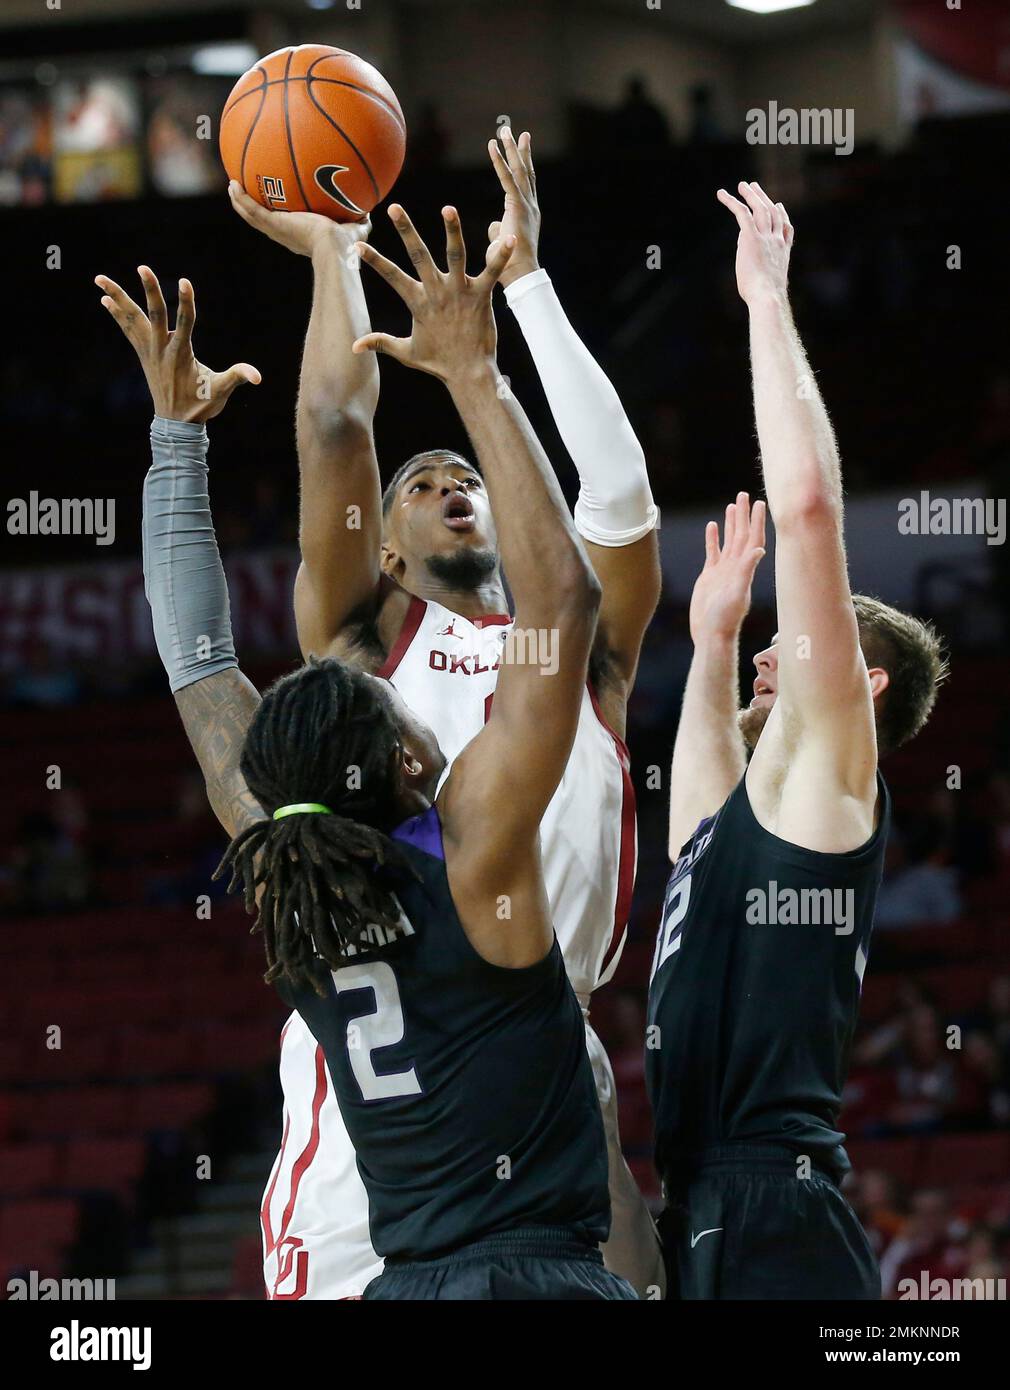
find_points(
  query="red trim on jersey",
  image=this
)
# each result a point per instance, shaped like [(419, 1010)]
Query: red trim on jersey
[(269, 1194), (304, 1160), (489, 619), (415, 612), (269, 1242), (626, 860)]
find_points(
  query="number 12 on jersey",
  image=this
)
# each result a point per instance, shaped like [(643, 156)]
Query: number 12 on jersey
[(669, 936)]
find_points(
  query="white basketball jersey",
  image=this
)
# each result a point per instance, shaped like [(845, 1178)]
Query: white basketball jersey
[(315, 1211)]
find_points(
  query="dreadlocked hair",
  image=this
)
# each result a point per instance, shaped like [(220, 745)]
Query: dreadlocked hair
[(323, 735)]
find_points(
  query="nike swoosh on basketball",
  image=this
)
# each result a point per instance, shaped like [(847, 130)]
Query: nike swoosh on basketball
[(324, 177), (710, 1232)]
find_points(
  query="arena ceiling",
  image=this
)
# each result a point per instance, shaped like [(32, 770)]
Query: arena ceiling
[(713, 19)]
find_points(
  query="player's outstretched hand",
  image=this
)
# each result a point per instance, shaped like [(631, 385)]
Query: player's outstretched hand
[(301, 232), (521, 217), (764, 244), (721, 597), (453, 328), (181, 388)]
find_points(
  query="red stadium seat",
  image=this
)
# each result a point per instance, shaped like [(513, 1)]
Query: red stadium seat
[(172, 1107), (88, 1110), (104, 1165), (967, 1158), (28, 1168), (168, 1051), (902, 1158), (49, 1223)]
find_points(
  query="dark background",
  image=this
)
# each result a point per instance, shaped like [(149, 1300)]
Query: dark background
[(168, 1043)]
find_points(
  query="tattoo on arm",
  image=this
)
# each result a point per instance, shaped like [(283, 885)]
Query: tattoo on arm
[(216, 713)]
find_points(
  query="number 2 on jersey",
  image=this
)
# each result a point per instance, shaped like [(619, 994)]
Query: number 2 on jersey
[(382, 1027)]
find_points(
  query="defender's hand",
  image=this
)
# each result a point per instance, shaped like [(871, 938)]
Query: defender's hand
[(181, 388), (301, 232), (721, 597), (764, 244), (453, 329), (521, 217)]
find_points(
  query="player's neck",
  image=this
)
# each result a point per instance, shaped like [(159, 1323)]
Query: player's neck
[(487, 599)]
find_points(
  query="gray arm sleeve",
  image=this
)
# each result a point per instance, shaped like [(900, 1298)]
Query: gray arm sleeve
[(183, 576)]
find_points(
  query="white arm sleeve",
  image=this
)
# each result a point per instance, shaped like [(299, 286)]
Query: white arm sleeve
[(615, 505)]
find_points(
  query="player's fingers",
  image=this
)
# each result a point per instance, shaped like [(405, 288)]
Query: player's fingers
[(742, 519), (402, 283), (787, 226), (754, 559), (505, 175), (526, 153), (756, 204), (185, 316), (729, 528), (156, 311), (711, 542), (130, 317), (493, 231), (757, 523), (241, 374), (383, 342), (514, 158), (498, 254), (455, 248), (740, 211), (420, 256), (247, 208)]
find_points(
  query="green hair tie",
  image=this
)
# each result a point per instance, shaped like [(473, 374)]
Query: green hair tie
[(304, 807)]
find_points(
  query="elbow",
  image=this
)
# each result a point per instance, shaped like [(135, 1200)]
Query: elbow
[(816, 508), (336, 424), (578, 591)]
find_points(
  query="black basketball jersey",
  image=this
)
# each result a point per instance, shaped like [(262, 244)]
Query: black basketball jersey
[(466, 1088), (755, 986)]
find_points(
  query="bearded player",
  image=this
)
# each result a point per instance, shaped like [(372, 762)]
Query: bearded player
[(408, 586), (766, 924)]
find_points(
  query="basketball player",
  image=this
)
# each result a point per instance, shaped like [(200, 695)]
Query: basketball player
[(766, 923), (409, 587), (402, 904)]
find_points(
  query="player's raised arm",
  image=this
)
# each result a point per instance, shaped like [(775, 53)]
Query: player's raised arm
[(709, 757), (615, 513), (824, 703), (502, 782), (341, 517), (183, 576)]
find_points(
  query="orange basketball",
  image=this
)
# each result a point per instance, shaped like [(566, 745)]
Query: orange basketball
[(314, 129)]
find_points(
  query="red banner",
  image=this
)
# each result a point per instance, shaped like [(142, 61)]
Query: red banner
[(98, 612)]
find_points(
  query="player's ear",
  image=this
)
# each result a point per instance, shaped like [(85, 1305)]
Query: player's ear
[(412, 767), (389, 562), (879, 681)]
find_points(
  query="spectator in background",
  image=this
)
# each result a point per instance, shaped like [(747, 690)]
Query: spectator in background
[(982, 1099), (641, 129), (982, 1260), (920, 884), (42, 683), (704, 127), (927, 1074), (874, 1200), (428, 147), (924, 1245), (50, 865)]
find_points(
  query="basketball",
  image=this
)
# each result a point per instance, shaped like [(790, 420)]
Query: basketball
[(314, 129)]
